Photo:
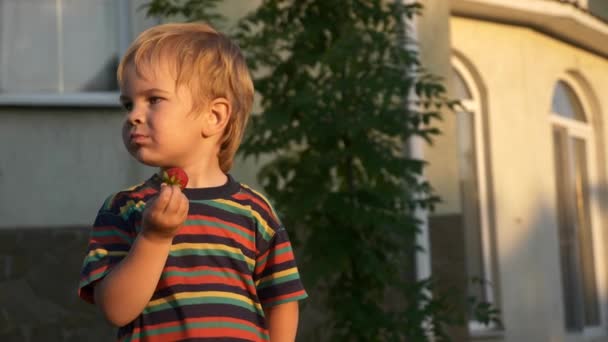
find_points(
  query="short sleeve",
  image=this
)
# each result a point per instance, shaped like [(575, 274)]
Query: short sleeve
[(110, 239), (276, 274)]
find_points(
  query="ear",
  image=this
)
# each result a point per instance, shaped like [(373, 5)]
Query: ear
[(217, 117)]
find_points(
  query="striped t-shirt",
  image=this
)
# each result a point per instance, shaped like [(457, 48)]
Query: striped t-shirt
[(231, 259)]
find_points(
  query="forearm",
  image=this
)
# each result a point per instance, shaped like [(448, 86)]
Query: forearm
[(282, 322), (125, 291)]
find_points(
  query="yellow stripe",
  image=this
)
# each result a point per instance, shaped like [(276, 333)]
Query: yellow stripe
[(104, 252), (263, 199), (277, 275), (132, 205), (203, 294), (234, 250), (254, 213)]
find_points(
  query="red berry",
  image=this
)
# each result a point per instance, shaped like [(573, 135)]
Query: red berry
[(175, 176)]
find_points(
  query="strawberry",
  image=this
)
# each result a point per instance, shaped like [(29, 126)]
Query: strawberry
[(175, 176)]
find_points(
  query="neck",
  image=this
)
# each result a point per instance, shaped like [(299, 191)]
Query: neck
[(205, 174)]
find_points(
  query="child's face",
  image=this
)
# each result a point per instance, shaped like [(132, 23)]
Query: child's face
[(159, 128)]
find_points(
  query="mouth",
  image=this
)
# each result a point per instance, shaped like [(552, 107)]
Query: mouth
[(137, 138)]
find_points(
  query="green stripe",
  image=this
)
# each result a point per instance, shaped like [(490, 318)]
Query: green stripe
[(107, 204), (205, 252), (226, 207), (212, 252), (287, 300), (235, 210), (189, 274), (86, 281), (200, 300), (195, 325), (124, 236), (219, 225), (277, 281), (277, 252)]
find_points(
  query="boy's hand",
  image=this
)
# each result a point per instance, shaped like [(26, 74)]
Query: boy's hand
[(165, 214)]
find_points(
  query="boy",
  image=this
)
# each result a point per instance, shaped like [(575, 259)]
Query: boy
[(211, 262)]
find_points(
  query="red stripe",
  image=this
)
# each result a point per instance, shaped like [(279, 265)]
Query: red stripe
[(216, 231), (202, 268), (113, 239), (245, 196), (273, 260), (248, 232), (206, 279), (143, 193), (282, 245), (86, 292), (96, 271), (224, 333), (288, 256), (199, 320), (260, 266)]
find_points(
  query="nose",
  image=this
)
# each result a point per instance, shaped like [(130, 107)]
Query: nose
[(136, 116)]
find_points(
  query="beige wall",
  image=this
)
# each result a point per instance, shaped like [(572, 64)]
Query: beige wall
[(58, 166), (519, 68), (435, 52)]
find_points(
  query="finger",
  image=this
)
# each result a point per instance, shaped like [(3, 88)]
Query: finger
[(184, 207), (163, 198), (173, 203)]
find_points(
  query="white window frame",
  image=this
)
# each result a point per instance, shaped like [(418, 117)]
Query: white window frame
[(88, 99), (474, 107), (585, 131)]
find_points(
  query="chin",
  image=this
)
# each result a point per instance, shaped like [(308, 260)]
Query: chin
[(144, 159)]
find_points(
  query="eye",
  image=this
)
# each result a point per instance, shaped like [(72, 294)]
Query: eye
[(128, 106), (155, 99)]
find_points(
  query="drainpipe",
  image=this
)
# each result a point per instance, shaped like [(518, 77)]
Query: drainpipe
[(415, 150)]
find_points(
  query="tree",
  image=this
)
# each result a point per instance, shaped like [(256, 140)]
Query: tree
[(342, 90)]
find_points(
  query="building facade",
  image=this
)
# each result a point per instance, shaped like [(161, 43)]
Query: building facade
[(521, 166)]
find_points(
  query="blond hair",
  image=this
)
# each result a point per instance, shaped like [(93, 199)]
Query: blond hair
[(207, 62)]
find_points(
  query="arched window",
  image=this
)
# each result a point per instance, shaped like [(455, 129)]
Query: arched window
[(473, 187), (573, 157), (461, 236)]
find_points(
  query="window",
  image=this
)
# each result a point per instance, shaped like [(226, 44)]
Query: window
[(473, 189), (573, 150), (459, 227), (56, 50)]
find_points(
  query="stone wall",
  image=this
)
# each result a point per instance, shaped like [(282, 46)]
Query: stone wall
[(39, 272)]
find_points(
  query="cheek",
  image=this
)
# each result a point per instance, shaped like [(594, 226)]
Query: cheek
[(125, 133)]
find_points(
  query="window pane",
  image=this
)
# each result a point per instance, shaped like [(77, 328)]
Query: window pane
[(575, 233), (90, 45), (456, 236), (592, 316), (57, 46), (469, 194), (461, 91), (29, 47), (568, 247), (565, 103)]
